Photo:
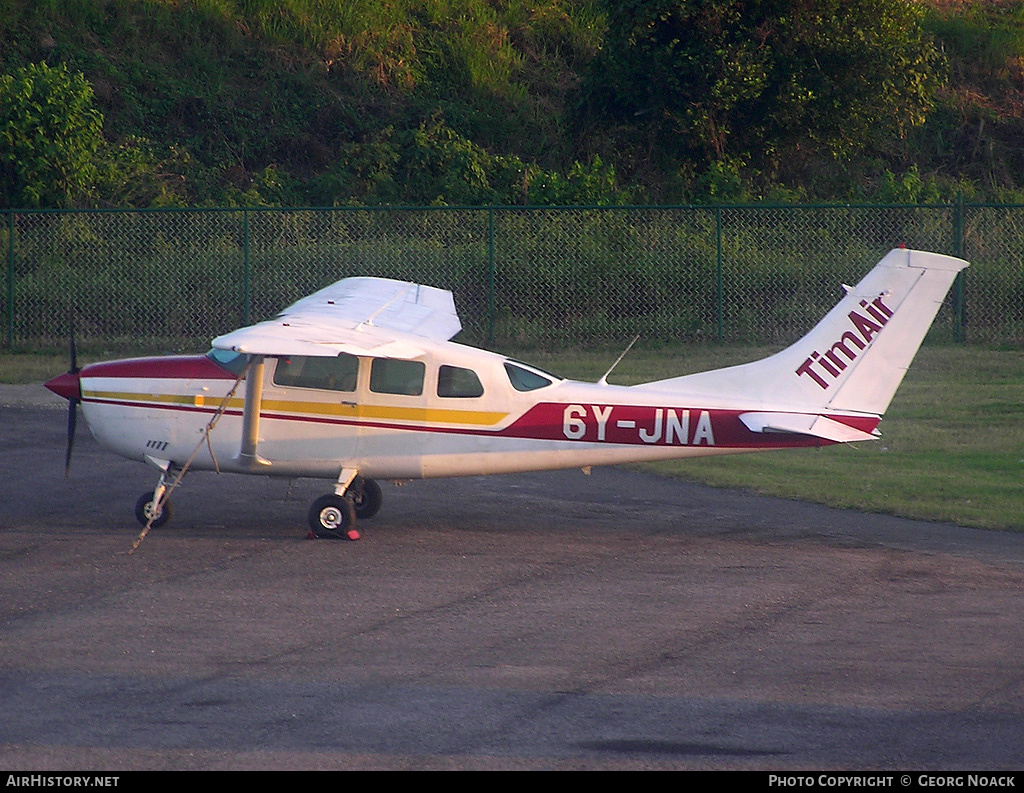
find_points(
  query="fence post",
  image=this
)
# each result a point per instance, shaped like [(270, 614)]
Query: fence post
[(490, 276), (10, 280), (958, 285), (245, 267), (718, 272)]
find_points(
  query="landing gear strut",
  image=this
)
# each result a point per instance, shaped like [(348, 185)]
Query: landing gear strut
[(332, 516), (153, 509)]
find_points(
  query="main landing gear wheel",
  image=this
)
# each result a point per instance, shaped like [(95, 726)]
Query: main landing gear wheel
[(144, 511), (333, 517), (367, 498)]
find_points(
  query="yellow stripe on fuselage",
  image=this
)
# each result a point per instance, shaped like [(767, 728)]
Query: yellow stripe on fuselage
[(146, 400), (479, 418)]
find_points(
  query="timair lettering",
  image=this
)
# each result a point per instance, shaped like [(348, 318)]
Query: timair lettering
[(824, 368)]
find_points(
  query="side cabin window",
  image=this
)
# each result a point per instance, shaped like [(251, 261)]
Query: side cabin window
[(454, 381), (526, 379), (331, 374), (394, 376)]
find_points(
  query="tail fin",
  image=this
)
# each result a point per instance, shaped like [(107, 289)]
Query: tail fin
[(855, 358)]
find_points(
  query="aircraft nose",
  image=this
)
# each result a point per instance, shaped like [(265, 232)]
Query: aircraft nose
[(66, 385)]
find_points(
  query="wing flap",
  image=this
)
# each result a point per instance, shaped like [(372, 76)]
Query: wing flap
[(805, 424)]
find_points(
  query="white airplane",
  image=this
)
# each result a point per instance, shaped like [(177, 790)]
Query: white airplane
[(360, 382)]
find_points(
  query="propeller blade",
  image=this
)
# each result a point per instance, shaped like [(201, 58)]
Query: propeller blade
[(72, 423), (74, 400)]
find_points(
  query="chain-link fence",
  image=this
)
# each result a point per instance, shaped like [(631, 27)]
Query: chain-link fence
[(522, 277)]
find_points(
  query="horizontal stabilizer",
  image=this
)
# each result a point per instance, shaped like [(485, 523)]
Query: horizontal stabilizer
[(805, 424)]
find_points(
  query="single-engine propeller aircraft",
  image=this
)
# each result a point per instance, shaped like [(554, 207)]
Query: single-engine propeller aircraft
[(360, 382)]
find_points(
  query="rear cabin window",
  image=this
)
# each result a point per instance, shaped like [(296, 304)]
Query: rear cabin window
[(524, 379), (392, 376), (331, 374), (456, 382)]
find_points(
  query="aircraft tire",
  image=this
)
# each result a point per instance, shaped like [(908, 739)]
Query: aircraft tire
[(368, 499), (143, 509), (331, 517)]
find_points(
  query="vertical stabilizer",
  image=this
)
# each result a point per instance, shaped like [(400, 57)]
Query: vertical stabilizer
[(856, 357)]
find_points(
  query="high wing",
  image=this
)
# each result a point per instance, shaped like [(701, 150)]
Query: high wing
[(360, 316)]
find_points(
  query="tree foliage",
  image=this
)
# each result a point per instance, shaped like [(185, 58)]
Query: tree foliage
[(754, 82), (435, 164), (50, 135), (319, 102)]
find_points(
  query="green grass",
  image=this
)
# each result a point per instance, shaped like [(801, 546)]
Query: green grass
[(952, 446), (16, 368)]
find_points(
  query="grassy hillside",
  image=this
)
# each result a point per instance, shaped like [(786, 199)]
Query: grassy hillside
[(311, 101), (321, 102), (975, 136)]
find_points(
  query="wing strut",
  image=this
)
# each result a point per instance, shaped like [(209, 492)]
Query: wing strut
[(251, 416)]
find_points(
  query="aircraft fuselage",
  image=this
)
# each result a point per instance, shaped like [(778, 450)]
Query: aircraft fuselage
[(158, 408)]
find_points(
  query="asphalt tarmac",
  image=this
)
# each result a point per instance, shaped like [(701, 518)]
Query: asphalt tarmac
[(545, 621)]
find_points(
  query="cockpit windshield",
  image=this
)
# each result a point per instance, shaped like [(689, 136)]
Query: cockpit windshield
[(234, 362)]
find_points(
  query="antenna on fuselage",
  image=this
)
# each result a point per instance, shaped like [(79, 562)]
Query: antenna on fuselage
[(604, 380)]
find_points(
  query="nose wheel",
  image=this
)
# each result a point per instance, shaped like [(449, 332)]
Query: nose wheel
[(153, 509), (146, 510)]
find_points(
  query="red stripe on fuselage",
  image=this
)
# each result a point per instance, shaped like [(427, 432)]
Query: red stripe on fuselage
[(639, 425), (183, 367), (651, 425)]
